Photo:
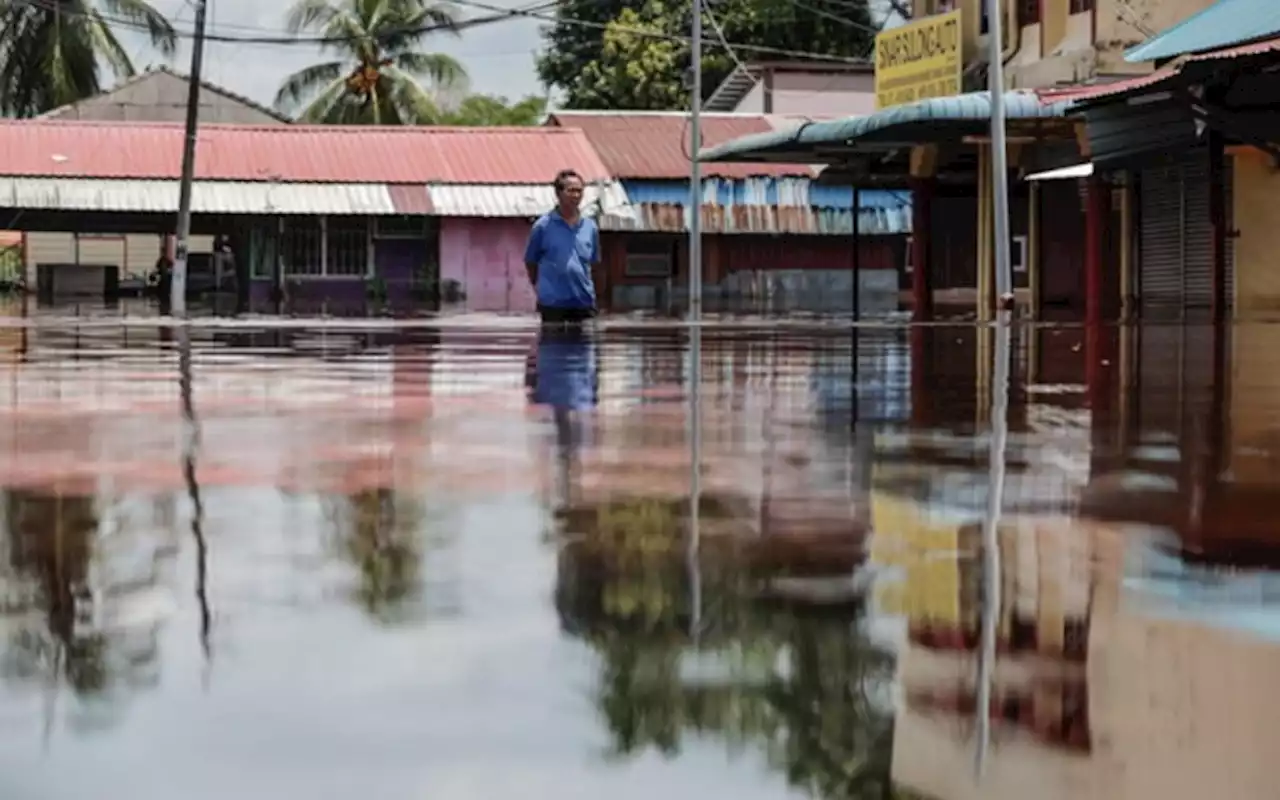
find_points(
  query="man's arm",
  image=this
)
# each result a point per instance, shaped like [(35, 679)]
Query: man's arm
[(533, 254)]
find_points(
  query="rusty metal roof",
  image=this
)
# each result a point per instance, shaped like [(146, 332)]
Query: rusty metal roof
[(297, 153), (672, 218), (654, 144)]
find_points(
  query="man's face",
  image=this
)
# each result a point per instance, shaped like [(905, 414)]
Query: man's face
[(571, 194)]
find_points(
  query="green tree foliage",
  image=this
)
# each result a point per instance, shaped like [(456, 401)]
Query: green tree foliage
[(638, 61), (382, 76), (484, 110), (53, 53)]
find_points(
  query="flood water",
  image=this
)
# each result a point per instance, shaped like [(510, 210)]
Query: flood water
[(266, 558)]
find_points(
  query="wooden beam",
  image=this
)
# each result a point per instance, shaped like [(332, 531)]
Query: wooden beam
[(924, 161), (1010, 139)]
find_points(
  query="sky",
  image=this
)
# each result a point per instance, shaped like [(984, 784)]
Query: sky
[(498, 57)]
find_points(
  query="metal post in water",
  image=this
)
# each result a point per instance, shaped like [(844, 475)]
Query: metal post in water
[(178, 287), (695, 168), (695, 482), (991, 562), (695, 316), (999, 154)]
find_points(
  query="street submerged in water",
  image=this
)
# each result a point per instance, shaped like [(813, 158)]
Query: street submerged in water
[(276, 558)]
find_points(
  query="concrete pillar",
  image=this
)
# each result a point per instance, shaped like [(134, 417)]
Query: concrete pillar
[(922, 192), (1095, 220)]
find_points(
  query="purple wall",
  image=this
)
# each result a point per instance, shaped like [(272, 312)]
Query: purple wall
[(399, 262), (486, 257)]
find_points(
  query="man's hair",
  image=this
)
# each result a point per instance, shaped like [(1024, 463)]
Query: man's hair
[(562, 179)]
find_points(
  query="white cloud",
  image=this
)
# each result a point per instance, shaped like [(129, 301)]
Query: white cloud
[(499, 57)]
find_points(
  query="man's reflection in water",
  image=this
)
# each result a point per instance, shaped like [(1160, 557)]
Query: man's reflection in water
[(562, 375)]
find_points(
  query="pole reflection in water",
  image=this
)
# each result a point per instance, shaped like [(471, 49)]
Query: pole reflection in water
[(991, 566), (190, 448), (695, 477)]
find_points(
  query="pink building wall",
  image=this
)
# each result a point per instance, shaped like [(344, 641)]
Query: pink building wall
[(486, 256)]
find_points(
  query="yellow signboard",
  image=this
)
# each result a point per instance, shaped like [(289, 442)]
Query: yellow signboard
[(919, 60)]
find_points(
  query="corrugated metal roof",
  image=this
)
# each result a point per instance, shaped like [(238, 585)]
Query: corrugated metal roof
[(764, 191), (966, 108), (207, 197), (1092, 91), (532, 200), (1264, 47), (674, 218), (297, 153), (1078, 95), (1225, 23), (636, 144)]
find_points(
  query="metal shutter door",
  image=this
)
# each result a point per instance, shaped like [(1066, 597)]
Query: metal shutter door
[(1160, 240), (1197, 233)]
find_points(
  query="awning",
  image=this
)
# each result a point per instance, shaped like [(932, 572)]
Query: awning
[(938, 119), (1223, 24), (303, 199), (1063, 173)]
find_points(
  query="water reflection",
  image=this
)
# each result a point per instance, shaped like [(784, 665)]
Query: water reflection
[(482, 558)]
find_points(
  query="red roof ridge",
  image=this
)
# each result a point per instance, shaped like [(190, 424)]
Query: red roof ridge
[(284, 130)]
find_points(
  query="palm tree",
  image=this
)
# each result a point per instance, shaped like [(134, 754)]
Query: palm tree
[(378, 79), (52, 51)]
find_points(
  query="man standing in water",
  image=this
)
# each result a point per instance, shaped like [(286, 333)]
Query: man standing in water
[(563, 247)]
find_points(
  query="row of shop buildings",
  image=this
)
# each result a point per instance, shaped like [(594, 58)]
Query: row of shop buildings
[(339, 215), (1142, 190)]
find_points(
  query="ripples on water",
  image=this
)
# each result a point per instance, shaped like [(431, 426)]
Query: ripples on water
[(454, 561)]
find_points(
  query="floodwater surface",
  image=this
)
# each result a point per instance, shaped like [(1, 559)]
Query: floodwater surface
[(259, 559)]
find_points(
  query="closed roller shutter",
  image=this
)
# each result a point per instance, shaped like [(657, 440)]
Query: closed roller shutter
[(1197, 233), (1160, 241)]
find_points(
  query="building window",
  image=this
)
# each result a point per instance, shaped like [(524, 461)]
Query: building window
[(1018, 254), (1081, 6), (346, 247), (1029, 12), (301, 250)]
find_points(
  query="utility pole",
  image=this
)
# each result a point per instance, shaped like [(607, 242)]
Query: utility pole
[(178, 295), (695, 168), (999, 154)]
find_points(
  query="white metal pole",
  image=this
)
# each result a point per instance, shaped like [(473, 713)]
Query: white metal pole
[(992, 568), (695, 314), (999, 152), (695, 168)]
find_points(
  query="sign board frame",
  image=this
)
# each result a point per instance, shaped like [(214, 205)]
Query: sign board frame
[(919, 60)]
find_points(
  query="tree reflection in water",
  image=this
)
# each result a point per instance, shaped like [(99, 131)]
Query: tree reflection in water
[(379, 531), (71, 622), (805, 686)]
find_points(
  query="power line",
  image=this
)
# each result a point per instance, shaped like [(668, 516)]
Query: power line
[(283, 39), (496, 14)]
